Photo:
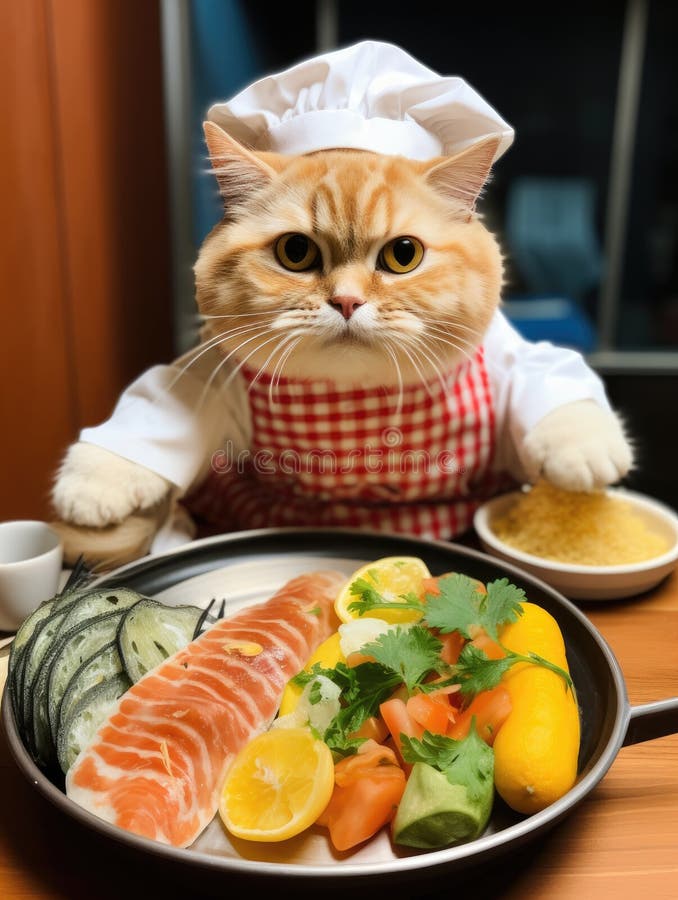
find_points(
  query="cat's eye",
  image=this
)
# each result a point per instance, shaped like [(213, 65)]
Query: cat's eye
[(296, 252), (402, 254)]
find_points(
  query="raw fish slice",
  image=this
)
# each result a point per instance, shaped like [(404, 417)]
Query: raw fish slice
[(157, 764)]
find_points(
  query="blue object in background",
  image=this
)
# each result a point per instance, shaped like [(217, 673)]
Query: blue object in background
[(554, 319), (225, 57), (551, 235)]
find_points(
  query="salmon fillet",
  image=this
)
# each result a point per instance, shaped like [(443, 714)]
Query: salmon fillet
[(157, 764)]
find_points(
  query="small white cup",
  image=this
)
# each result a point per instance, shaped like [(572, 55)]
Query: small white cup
[(31, 556)]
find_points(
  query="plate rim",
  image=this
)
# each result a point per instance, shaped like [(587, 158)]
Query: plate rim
[(486, 846)]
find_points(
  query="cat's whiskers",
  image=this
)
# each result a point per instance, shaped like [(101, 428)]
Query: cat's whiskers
[(421, 339), (389, 349), (284, 339), (277, 371), (419, 349), (456, 347), (249, 355), (449, 320), (222, 335), (234, 315), (441, 331), (448, 315), (415, 365), (218, 367), (427, 352), (451, 323), (200, 318), (210, 344)]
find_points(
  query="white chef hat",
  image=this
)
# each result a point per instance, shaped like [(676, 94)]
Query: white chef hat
[(369, 96)]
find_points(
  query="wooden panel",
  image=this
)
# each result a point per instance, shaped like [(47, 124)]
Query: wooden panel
[(37, 413), (86, 302), (109, 116)]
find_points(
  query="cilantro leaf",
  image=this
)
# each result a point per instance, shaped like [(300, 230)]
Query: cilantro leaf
[(469, 762), (369, 598), (460, 606), (433, 749), (410, 653), (316, 693), (456, 607), (367, 592), (501, 605), (474, 671), (363, 689)]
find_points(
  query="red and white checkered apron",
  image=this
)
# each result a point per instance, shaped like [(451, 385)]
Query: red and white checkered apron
[(323, 456)]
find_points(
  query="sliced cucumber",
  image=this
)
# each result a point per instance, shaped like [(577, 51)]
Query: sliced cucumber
[(89, 712), (151, 632), (103, 665), (75, 585), (67, 611), (16, 655), (70, 650), (36, 649), (28, 625), (90, 606), (80, 641), (99, 602)]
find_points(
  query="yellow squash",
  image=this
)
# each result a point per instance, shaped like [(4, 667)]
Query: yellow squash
[(536, 749)]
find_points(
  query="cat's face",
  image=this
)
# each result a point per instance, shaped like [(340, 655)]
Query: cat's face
[(348, 265)]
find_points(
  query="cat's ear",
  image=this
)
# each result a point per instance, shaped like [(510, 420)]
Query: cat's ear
[(238, 170), (462, 177)]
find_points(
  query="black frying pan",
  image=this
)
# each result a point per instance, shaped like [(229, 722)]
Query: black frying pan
[(608, 721)]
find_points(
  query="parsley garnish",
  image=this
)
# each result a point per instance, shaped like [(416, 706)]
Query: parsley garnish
[(474, 671), (460, 605), (316, 693), (363, 689), (369, 599), (410, 653), (469, 762)]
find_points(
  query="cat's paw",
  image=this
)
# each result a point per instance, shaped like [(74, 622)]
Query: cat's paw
[(96, 487), (578, 447)]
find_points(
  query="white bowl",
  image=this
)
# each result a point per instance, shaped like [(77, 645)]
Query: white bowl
[(588, 582), (31, 554)]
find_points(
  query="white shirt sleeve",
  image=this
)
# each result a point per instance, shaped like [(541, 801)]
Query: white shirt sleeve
[(173, 421), (528, 380)]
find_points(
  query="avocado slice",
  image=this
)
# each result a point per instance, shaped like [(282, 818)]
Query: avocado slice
[(434, 813)]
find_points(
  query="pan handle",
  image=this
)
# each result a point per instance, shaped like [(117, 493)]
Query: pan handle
[(651, 720)]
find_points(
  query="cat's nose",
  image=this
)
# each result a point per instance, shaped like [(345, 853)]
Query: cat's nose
[(346, 305)]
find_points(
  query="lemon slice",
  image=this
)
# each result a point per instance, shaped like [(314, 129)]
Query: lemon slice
[(278, 785), (391, 576)]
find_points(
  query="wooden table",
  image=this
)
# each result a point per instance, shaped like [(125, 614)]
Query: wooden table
[(620, 842)]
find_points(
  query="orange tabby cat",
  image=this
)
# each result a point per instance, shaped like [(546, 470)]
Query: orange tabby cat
[(349, 299), (344, 204)]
